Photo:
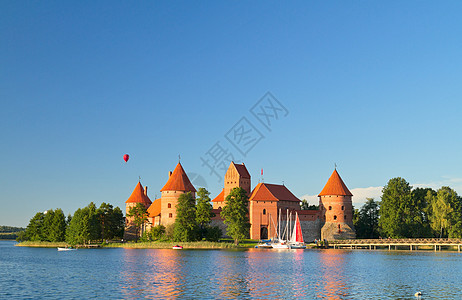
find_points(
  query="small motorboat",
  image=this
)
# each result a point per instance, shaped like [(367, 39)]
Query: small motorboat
[(66, 249), (177, 247)]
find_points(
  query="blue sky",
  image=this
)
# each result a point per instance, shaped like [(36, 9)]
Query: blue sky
[(371, 86)]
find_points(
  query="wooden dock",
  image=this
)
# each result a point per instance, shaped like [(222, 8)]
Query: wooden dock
[(398, 244)]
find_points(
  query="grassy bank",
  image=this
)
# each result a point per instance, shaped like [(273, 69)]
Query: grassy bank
[(227, 244), (42, 244)]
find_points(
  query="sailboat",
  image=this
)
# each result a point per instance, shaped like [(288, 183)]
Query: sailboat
[(280, 243), (296, 240)]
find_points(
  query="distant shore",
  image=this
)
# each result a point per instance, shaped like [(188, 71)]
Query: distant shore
[(147, 245)]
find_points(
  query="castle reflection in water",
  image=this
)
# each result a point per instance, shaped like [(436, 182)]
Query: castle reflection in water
[(219, 274)]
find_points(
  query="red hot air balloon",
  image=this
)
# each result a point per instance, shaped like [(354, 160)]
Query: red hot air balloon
[(126, 157)]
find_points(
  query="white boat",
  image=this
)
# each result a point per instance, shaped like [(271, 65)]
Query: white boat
[(66, 249), (280, 245), (296, 240), (264, 244), (279, 242), (177, 247)]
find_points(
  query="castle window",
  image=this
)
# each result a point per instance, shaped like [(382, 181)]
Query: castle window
[(343, 207), (344, 217), (264, 211), (330, 207), (335, 217), (169, 205), (219, 207), (170, 215)]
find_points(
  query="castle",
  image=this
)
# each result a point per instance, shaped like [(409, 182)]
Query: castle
[(268, 203)]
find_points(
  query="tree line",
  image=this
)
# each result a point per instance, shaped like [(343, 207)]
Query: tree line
[(407, 212), (193, 218), (10, 232), (87, 224)]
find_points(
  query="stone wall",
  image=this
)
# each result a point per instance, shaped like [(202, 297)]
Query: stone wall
[(331, 231), (311, 230)]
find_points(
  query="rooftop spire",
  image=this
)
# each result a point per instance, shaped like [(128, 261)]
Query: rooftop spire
[(178, 181), (335, 186)]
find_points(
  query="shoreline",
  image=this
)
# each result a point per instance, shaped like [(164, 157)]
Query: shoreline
[(143, 245)]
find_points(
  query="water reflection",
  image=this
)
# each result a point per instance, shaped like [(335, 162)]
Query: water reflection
[(332, 283), (152, 273)]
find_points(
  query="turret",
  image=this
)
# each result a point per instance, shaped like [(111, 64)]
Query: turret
[(336, 209), (236, 176), (177, 184), (139, 195)]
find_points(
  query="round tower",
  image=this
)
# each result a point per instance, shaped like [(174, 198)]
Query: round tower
[(336, 209), (177, 184), (139, 195)]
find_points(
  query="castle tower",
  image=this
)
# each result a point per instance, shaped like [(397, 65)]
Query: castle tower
[(336, 209), (265, 202), (178, 183), (236, 176), (139, 195)]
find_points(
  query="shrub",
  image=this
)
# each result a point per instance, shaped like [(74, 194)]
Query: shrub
[(213, 233)]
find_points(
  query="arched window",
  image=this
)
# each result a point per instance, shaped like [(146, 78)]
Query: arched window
[(264, 211), (170, 215), (330, 207), (344, 217), (335, 217), (343, 207), (169, 205), (219, 207)]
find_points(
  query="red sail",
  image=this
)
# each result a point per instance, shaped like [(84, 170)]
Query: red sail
[(298, 234)]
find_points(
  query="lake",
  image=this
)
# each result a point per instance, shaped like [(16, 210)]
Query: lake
[(227, 274)]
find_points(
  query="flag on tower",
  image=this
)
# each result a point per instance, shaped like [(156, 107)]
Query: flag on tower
[(262, 172)]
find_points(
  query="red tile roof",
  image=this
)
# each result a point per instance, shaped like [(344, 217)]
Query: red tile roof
[(138, 196), (178, 181), (154, 209), (272, 192), (220, 197), (242, 170), (335, 186)]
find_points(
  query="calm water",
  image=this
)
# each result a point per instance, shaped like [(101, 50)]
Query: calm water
[(222, 274)]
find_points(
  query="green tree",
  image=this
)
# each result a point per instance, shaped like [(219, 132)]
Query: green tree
[(34, 229), (186, 228), (75, 231), (213, 233), (117, 224), (104, 213), (366, 220), (446, 214), (140, 218), (235, 214), (203, 210), (57, 230), (111, 221), (84, 226), (421, 199), (306, 206), (395, 208)]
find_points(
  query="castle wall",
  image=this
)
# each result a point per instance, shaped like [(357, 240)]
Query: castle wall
[(262, 214), (311, 230)]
